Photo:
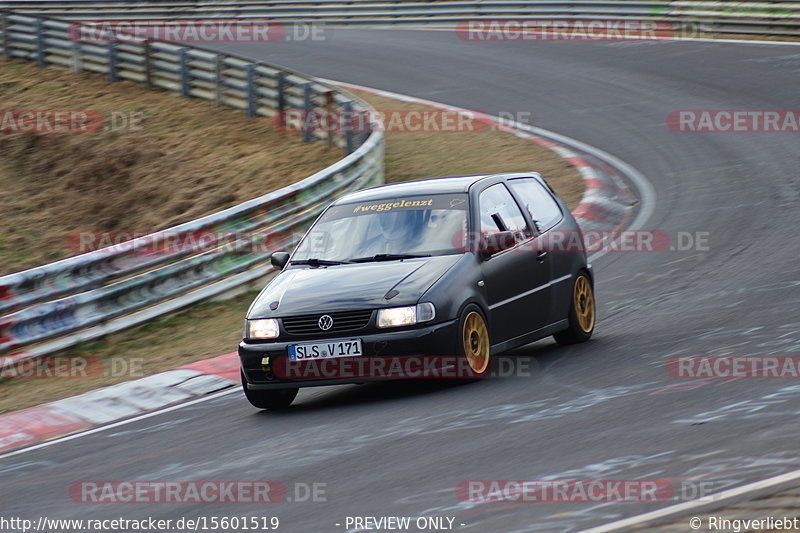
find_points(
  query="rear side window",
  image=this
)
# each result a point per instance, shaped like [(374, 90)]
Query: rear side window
[(541, 206), (500, 212)]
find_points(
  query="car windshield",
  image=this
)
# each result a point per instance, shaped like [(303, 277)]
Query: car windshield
[(394, 228)]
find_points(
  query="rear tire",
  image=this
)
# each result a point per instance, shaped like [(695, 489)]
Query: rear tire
[(582, 313), (272, 399), (474, 342)]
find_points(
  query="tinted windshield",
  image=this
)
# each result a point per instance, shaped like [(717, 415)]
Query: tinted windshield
[(414, 225)]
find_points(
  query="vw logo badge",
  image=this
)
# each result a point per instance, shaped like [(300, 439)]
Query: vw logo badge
[(325, 322)]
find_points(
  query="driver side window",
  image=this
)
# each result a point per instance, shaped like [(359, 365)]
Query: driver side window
[(499, 212)]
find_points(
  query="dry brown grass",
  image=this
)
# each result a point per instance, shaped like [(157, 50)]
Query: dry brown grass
[(188, 159), (213, 328)]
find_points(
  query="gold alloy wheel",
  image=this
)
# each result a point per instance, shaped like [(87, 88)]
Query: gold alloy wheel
[(584, 303), (476, 342)]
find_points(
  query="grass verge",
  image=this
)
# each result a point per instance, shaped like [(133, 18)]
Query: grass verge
[(158, 160)]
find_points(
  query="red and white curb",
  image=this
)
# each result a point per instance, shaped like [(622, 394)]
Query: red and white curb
[(606, 205), (116, 402)]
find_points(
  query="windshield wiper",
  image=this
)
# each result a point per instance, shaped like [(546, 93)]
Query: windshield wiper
[(387, 257), (313, 261)]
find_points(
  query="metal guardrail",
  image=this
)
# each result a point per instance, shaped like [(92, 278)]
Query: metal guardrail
[(50, 307), (779, 17)]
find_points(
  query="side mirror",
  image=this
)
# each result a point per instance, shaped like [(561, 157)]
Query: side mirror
[(491, 243), (279, 259)]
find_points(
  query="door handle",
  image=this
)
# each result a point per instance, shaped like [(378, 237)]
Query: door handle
[(540, 256)]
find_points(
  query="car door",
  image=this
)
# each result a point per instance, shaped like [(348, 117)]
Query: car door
[(559, 243), (515, 279)]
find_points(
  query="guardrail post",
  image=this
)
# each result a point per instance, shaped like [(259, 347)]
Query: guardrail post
[(281, 97), (367, 130), (183, 60), (148, 67), (6, 33), (218, 80), (308, 120), (112, 59), (39, 43), (346, 123), (251, 90), (77, 63), (329, 111)]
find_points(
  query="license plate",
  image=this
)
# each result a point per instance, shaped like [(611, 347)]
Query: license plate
[(325, 350)]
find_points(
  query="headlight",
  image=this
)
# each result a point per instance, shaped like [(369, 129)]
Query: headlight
[(263, 328), (406, 316)]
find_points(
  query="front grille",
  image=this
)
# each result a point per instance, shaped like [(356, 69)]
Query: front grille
[(344, 321)]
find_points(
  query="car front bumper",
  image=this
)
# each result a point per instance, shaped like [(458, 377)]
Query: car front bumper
[(407, 351)]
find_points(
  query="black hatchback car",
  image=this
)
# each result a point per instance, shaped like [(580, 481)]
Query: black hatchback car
[(418, 279)]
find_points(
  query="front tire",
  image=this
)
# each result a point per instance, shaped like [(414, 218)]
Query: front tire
[(272, 399), (582, 314), (474, 342)]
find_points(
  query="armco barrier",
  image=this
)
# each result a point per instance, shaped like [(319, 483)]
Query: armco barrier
[(56, 305), (780, 17)]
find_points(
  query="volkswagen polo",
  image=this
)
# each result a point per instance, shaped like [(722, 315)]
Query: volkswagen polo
[(426, 278)]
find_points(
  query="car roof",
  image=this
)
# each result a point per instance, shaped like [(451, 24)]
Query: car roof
[(453, 184)]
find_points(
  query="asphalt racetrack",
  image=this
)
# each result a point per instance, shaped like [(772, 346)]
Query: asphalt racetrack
[(607, 409)]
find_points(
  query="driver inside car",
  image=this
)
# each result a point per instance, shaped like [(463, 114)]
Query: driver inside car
[(400, 232)]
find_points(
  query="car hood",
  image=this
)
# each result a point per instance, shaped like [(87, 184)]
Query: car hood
[(300, 291)]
